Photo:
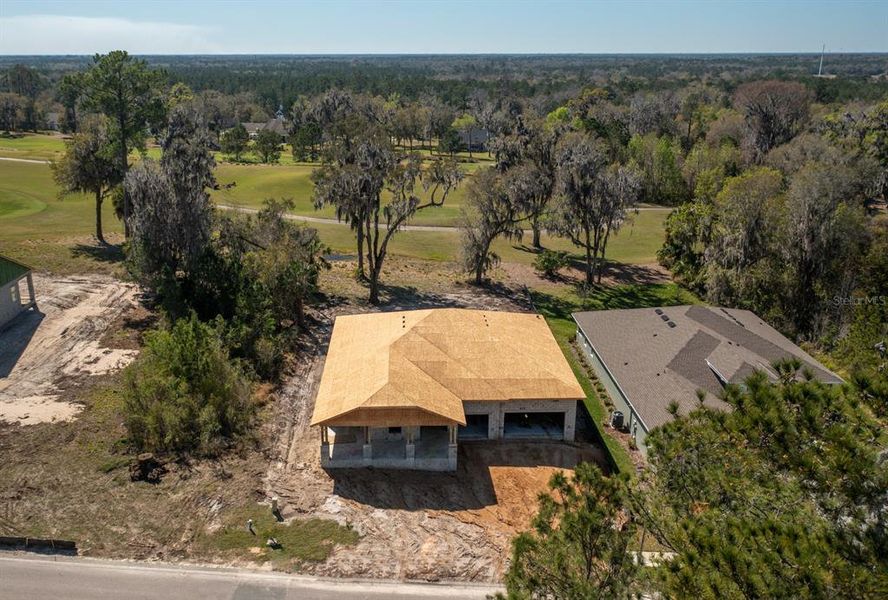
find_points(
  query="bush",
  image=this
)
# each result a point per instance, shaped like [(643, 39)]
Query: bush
[(184, 394), (549, 262)]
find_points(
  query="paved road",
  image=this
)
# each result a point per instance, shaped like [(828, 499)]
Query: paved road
[(26, 160), (66, 578)]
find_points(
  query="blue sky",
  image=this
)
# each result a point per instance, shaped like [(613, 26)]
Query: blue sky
[(267, 26)]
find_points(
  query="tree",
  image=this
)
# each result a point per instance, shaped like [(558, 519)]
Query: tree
[(267, 146), (774, 111), (285, 258), (658, 160), (10, 111), (781, 497), (746, 221), (449, 142), (579, 545), (88, 165), (528, 147), (305, 140), (549, 262), (823, 238), (875, 140), (593, 198), (26, 83), (178, 94), (126, 91), (653, 114), (184, 394), (487, 214), (466, 123), (70, 93), (172, 211), (356, 169), (688, 229), (235, 141)]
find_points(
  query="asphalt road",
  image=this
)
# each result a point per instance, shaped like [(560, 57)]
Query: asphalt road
[(27, 577)]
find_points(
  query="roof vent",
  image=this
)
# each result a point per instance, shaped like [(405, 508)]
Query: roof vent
[(664, 317), (671, 323), (659, 311)]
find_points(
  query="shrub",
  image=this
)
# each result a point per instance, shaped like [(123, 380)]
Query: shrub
[(549, 262), (184, 394)]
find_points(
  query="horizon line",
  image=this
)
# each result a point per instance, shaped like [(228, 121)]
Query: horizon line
[(480, 54)]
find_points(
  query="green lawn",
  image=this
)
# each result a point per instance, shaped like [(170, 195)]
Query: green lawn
[(34, 146), (254, 183), (636, 243), (38, 228), (41, 230)]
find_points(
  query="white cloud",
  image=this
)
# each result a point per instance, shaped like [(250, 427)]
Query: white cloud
[(58, 34)]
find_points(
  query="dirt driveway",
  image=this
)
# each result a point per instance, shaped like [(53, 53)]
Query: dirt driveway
[(44, 352), (414, 525)]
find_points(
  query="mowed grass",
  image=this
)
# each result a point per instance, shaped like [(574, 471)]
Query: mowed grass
[(253, 184), (32, 146), (40, 229), (636, 243), (49, 233)]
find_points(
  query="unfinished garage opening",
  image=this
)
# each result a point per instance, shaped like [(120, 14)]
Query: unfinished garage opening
[(533, 425), (476, 427)]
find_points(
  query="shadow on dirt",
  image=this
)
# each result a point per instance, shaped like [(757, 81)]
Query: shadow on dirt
[(15, 337)]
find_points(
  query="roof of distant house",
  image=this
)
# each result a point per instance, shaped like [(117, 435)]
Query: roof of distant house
[(277, 125), (478, 135), (417, 367), (660, 355), (253, 127)]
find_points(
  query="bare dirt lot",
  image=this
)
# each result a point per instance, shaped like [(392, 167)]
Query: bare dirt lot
[(414, 525), (48, 350)]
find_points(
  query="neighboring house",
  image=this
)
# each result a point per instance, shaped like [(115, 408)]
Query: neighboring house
[(253, 128), (399, 389), (474, 139), (277, 125), (53, 121), (649, 357), (12, 299)]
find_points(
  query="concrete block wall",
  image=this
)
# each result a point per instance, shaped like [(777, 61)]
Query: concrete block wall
[(496, 413)]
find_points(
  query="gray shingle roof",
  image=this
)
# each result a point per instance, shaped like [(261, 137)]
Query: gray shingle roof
[(655, 363)]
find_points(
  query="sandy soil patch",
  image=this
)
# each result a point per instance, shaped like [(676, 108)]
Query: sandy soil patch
[(45, 352), (414, 525)]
